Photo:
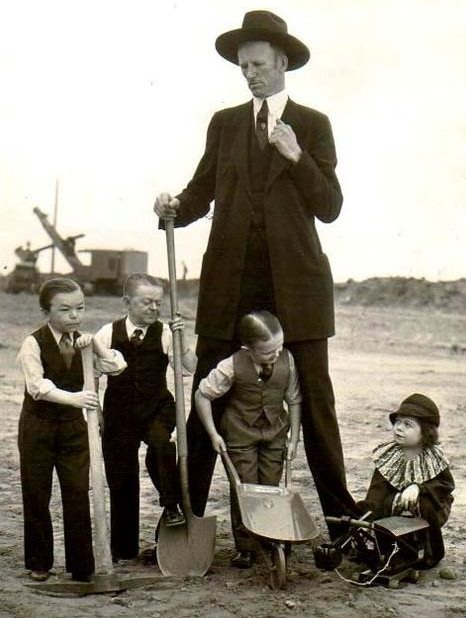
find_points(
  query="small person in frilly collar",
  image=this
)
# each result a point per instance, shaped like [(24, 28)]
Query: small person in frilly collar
[(412, 475)]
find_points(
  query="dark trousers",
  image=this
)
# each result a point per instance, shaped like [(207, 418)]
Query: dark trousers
[(125, 427), (321, 435), (45, 444)]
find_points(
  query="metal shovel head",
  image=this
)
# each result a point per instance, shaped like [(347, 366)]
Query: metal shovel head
[(275, 513), (187, 550)]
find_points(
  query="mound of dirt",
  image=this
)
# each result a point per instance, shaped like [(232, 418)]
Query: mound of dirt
[(448, 296)]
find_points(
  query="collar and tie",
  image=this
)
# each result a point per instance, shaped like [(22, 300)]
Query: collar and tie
[(66, 348), (266, 371), (262, 131), (137, 337)]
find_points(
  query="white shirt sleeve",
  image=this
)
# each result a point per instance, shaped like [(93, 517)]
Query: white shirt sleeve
[(219, 381), (293, 390), (167, 342), (111, 366), (33, 371)]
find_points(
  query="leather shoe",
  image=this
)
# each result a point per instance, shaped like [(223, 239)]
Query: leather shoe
[(243, 560), (172, 516), (39, 576)]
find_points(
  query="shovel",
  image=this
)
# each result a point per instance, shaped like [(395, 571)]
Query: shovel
[(187, 549)]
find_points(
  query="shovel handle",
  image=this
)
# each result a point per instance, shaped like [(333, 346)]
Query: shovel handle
[(103, 556), (178, 366)]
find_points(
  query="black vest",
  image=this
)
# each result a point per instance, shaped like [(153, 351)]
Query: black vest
[(145, 378), (55, 369), (259, 164)]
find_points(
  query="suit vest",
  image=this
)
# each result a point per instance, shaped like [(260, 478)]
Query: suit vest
[(259, 164), (55, 369), (145, 378), (250, 396)]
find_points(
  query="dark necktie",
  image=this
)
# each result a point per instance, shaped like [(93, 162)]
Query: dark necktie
[(137, 338), (66, 349), (266, 371), (261, 125)]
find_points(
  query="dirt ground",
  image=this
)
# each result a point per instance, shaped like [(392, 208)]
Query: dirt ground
[(378, 357)]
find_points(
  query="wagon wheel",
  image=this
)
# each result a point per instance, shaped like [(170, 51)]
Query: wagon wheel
[(278, 569)]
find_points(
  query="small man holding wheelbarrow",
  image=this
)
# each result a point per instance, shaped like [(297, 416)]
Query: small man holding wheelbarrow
[(258, 378)]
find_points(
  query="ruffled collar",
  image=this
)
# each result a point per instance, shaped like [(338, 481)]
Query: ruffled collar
[(391, 462)]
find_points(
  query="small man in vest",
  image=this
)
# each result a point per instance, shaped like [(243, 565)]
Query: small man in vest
[(258, 379), (138, 407), (53, 432)]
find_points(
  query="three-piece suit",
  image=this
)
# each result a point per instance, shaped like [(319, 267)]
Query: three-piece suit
[(264, 253)]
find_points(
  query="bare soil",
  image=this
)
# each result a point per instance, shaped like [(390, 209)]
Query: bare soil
[(379, 356)]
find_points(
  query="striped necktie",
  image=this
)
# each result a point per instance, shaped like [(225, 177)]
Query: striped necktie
[(262, 124), (66, 349)]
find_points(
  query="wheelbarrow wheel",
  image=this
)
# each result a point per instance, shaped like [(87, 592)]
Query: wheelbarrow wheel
[(278, 570)]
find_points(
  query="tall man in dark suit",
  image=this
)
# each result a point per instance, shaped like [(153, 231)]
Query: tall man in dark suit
[(269, 164)]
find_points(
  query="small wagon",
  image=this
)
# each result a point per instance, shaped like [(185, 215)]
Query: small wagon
[(276, 515)]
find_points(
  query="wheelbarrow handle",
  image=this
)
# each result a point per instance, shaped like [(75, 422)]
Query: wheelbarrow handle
[(231, 470), (287, 472)]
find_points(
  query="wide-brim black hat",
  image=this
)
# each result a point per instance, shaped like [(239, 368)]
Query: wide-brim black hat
[(263, 26), (418, 406)]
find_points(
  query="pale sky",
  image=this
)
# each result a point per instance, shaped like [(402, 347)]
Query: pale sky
[(114, 98)]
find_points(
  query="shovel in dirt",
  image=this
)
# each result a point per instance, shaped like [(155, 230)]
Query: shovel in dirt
[(187, 549)]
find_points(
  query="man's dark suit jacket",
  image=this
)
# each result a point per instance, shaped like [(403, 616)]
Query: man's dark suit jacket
[(294, 196)]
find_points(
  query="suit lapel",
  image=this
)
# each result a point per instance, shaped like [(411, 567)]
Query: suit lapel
[(240, 146)]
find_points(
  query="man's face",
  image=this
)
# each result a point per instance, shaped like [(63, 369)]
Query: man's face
[(144, 305), (266, 351), (66, 311), (263, 68)]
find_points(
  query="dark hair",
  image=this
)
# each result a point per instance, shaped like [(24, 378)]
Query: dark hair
[(134, 280), (429, 433), (258, 326), (50, 288)]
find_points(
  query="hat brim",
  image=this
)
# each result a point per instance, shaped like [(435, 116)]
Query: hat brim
[(227, 45), (414, 413)]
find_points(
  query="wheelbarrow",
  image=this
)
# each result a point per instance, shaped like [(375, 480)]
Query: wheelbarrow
[(276, 515)]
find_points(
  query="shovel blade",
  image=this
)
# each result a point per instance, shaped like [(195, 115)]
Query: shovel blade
[(187, 550)]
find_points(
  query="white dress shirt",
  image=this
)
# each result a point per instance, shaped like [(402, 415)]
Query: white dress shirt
[(220, 380), (276, 105), (104, 336), (30, 362)]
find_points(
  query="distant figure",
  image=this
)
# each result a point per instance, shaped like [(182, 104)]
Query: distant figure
[(185, 270), (269, 164), (412, 475), (138, 407), (53, 432), (257, 380)]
